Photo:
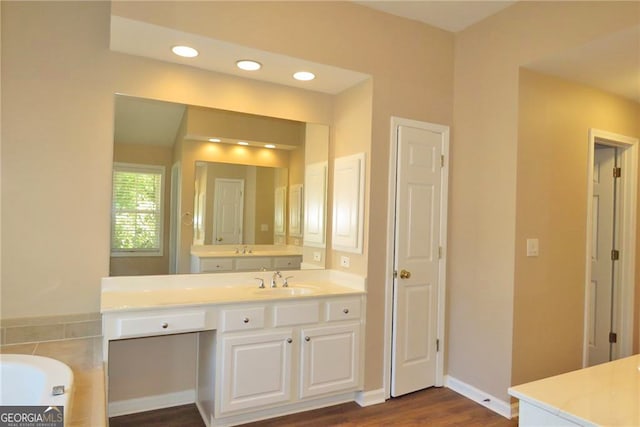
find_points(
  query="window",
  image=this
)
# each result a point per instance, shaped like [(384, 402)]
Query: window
[(136, 211)]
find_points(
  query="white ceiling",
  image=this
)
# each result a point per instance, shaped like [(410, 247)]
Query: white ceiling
[(450, 15), (145, 121), (610, 63)]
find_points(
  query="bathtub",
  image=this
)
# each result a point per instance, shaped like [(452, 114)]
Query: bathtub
[(27, 380)]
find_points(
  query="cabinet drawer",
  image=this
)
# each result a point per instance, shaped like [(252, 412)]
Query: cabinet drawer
[(215, 264), (287, 263), (343, 309), (253, 264), (242, 319), (159, 324), (296, 314)]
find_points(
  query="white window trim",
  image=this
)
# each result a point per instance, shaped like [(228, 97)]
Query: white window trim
[(134, 167)]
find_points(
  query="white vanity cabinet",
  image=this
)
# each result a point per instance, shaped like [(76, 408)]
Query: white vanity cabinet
[(329, 359), (256, 370), (215, 264), (302, 350)]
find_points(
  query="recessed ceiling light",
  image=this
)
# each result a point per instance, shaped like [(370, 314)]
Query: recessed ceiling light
[(304, 76), (214, 139), (248, 65), (269, 146), (185, 51), (242, 143)]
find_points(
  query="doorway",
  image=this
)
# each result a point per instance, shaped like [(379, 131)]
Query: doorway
[(611, 241), (416, 256)]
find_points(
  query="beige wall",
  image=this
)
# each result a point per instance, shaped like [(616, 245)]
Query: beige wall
[(58, 80), (146, 155), (555, 118), (484, 164)]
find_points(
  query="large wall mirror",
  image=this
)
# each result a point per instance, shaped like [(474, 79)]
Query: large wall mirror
[(205, 190)]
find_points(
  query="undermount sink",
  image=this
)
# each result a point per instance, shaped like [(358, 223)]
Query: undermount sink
[(290, 291)]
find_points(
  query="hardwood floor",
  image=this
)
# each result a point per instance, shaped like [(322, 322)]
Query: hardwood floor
[(430, 407)]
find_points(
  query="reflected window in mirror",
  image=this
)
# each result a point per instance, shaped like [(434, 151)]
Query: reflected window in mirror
[(136, 221)]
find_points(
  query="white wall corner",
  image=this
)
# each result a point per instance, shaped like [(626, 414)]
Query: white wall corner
[(150, 403), (371, 397), (485, 399)]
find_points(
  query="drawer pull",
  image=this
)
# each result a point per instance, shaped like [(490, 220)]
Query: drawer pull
[(345, 310), (289, 340), (245, 320), (165, 325), (307, 339)]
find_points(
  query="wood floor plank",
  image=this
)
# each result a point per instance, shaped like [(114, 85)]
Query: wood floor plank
[(440, 407)]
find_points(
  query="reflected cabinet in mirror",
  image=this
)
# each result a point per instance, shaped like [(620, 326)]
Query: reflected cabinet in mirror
[(204, 190)]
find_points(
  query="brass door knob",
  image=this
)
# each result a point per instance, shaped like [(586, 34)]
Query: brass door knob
[(404, 274)]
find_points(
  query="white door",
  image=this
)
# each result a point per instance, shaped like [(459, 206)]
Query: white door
[(603, 274), (228, 211), (417, 243)]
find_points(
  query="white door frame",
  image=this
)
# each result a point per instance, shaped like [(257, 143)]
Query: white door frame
[(388, 312), (624, 299), (174, 218)]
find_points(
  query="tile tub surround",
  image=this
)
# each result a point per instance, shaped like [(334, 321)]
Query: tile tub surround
[(50, 328), (84, 357)]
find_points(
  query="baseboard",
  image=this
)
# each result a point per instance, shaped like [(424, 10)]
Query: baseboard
[(470, 392), (371, 397), (150, 403)]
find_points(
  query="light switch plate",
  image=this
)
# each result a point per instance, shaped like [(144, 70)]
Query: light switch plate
[(344, 261), (533, 247)]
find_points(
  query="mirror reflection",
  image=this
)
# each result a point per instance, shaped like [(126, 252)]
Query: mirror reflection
[(205, 190)]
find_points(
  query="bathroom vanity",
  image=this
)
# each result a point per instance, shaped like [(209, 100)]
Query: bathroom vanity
[(262, 352), (601, 395)]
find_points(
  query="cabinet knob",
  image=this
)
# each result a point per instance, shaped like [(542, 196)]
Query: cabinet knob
[(307, 339), (165, 325), (245, 320), (289, 340), (345, 310)]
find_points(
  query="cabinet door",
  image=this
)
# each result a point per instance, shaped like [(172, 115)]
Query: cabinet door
[(255, 370), (329, 359)]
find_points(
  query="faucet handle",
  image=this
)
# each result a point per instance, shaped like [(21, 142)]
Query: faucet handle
[(261, 282), (276, 274), (285, 284)]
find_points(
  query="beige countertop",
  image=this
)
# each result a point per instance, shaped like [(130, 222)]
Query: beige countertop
[(84, 357), (148, 292), (602, 395)]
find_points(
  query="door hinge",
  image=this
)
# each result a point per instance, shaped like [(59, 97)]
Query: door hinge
[(437, 345), (442, 160), (613, 337), (615, 255), (395, 274), (617, 172), (439, 252)]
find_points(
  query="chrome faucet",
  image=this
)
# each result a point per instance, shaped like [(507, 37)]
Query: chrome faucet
[(285, 284), (276, 275)]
